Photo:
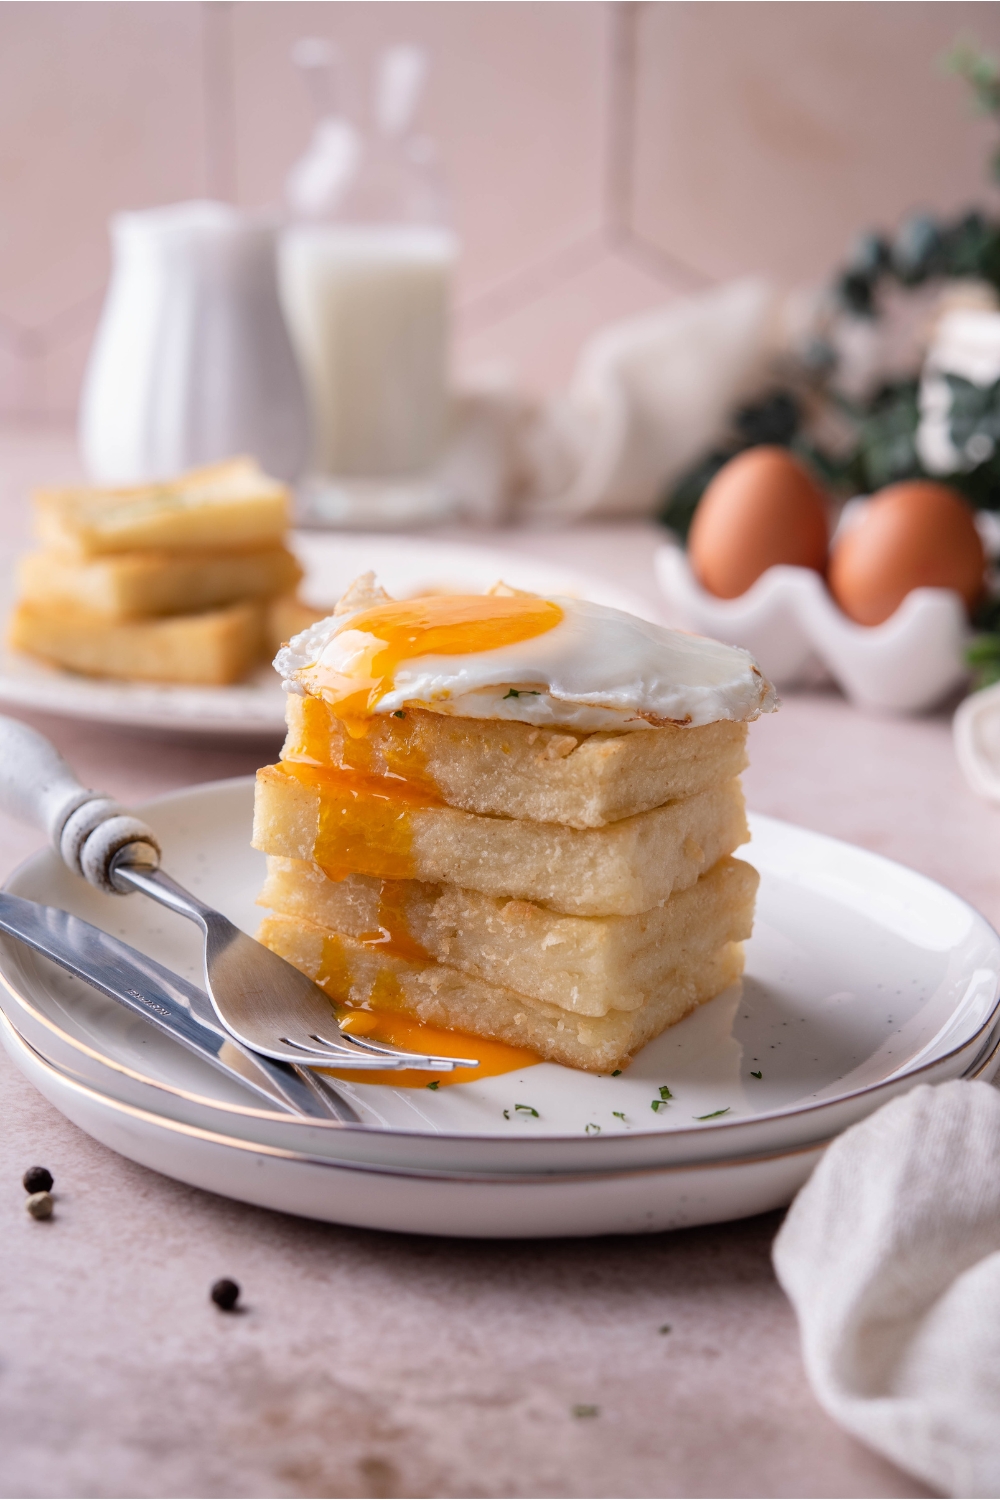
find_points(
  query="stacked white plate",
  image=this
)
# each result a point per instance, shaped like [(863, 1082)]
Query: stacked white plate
[(863, 979)]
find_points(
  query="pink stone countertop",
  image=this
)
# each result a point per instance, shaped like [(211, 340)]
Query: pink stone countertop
[(369, 1364)]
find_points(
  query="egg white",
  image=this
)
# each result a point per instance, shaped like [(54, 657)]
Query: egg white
[(599, 668)]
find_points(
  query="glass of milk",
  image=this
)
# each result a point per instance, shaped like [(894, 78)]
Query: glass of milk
[(366, 271)]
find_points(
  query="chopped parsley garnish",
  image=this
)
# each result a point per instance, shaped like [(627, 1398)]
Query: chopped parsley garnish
[(526, 1109), (715, 1113), (663, 1328), (592, 1129), (435, 1085), (755, 1075), (617, 1073), (398, 713), (506, 1114), (659, 1104), (665, 1092), (522, 693), (618, 1114), (586, 1411)]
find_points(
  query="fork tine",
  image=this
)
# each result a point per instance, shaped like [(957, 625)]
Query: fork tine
[(327, 1050), (413, 1059), (368, 1044), (364, 1054), (343, 1057)]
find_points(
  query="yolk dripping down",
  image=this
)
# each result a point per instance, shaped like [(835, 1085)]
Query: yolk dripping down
[(365, 819), (493, 1058), (439, 625), (372, 1000), (383, 1020), (393, 933), (390, 748), (365, 827), (365, 823)]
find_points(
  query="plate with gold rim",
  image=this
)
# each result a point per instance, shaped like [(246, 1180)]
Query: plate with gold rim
[(863, 978), (471, 1204), (256, 708), (421, 1200)]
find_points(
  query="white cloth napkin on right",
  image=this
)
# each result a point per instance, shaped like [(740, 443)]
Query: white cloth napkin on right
[(890, 1255)]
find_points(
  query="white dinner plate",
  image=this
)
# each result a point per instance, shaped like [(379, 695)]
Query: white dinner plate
[(862, 979), (479, 1206), (404, 565), (410, 1200)]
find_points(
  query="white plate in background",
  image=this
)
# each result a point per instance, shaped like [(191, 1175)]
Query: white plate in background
[(404, 565)]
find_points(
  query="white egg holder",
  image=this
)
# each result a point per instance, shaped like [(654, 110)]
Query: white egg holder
[(797, 634)]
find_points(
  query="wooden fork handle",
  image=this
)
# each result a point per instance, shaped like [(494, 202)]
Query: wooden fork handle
[(86, 828)]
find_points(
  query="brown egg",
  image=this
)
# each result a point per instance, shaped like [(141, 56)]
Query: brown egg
[(917, 534), (762, 508)]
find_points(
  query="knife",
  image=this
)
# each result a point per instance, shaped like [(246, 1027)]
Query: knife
[(173, 1005)]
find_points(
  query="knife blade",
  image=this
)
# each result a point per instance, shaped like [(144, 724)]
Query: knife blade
[(172, 1004)]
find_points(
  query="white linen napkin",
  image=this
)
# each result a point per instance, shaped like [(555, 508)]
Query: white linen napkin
[(890, 1255), (650, 394)]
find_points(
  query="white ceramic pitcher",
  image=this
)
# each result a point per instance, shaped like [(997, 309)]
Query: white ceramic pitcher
[(192, 362)]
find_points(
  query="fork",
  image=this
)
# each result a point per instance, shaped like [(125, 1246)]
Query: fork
[(261, 1000)]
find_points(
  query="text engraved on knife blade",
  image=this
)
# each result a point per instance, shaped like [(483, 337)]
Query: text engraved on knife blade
[(145, 1000)]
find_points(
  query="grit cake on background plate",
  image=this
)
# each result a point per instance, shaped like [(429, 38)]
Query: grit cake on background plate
[(510, 816), (232, 504), (184, 581)]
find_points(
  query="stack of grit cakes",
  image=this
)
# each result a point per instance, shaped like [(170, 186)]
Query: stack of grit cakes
[(170, 582), (511, 817)]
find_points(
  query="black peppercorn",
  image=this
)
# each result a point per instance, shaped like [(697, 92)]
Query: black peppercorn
[(226, 1294), (37, 1180)]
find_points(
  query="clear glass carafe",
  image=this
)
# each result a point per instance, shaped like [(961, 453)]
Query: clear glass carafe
[(367, 266)]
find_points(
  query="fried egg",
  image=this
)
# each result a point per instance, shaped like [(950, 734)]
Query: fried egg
[(507, 655)]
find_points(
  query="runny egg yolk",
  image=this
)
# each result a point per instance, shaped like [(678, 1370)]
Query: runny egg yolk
[(384, 1021), (438, 625), (364, 825), (492, 1058), (365, 820)]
